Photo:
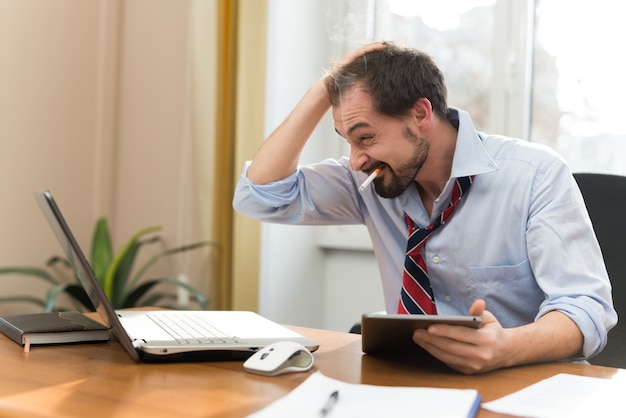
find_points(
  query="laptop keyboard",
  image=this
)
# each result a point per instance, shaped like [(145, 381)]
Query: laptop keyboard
[(187, 328)]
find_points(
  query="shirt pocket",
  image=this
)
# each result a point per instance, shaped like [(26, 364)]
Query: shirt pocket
[(510, 291)]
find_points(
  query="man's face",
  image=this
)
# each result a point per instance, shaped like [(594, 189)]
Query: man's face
[(380, 141)]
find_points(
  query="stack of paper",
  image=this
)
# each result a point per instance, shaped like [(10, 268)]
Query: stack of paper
[(565, 396), (354, 400)]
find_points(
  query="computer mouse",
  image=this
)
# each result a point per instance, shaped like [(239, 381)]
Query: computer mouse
[(279, 358)]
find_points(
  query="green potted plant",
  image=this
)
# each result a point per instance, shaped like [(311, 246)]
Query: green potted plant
[(122, 284)]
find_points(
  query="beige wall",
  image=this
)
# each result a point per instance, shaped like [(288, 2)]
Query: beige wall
[(154, 158), (93, 106)]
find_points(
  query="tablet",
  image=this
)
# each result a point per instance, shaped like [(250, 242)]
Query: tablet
[(393, 333)]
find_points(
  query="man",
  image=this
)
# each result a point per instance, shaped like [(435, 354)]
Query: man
[(517, 247)]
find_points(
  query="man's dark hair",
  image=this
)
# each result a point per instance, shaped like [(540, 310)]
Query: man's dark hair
[(395, 77)]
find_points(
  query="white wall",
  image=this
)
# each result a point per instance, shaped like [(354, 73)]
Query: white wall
[(301, 282)]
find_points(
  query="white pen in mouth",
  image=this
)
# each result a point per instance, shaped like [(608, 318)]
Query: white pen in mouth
[(369, 179)]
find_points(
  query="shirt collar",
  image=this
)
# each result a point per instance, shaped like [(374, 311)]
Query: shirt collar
[(470, 156)]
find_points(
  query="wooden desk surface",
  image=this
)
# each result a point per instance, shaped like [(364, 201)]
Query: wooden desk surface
[(101, 380)]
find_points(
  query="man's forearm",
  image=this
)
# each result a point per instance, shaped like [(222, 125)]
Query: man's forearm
[(278, 156), (552, 337)]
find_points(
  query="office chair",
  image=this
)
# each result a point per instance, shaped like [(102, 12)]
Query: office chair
[(605, 197)]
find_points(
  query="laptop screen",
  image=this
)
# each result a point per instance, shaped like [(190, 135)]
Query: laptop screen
[(83, 269)]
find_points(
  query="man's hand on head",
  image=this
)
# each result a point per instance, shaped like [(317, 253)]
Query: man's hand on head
[(355, 54)]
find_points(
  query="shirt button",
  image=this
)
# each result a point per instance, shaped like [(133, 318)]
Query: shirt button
[(447, 298), (436, 259)]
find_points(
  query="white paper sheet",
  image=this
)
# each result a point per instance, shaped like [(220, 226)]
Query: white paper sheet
[(565, 396), (364, 401)]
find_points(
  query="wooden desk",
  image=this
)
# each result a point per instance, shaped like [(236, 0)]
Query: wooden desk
[(101, 380)]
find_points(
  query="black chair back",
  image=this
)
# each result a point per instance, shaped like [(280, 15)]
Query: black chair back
[(605, 197)]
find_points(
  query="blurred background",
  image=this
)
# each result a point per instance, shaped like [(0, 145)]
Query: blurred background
[(143, 111)]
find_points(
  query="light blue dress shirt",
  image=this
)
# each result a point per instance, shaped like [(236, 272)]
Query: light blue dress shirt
[(521, 239)]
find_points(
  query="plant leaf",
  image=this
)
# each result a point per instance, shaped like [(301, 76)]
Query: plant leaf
[(157, 299), (154, 299), (134, 296), (113, 278), (160, 300), (52, 294), (171, 251), (124, 270), (68, 272), (77, 292), (122, 273), (30, 271), (101, 249), (29, 299), (55, 259)]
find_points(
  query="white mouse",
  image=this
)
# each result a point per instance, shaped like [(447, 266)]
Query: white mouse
[(278, 358)]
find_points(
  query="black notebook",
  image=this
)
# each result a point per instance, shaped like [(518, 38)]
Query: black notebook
[(52, 328)]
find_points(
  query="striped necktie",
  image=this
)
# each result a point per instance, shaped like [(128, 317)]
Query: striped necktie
[(416, 296)]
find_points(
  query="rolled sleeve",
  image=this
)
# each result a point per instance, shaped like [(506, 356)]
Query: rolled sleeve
[(594, 317), (316, 194)]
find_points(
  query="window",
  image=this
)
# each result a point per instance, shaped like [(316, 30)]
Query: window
[(549, 71), (458, 34), (579, 84)]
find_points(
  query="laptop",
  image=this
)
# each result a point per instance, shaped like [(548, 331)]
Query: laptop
[(166, 335)]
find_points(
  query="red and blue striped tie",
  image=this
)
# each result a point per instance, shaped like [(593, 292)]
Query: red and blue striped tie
[(416, 296)]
